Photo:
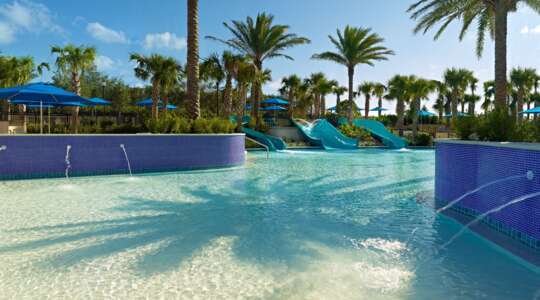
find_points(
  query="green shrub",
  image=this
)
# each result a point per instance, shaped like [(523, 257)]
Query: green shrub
[(423, 140), (181, 125), (496, 126), (526, 131), (466, 127), (202, 126)]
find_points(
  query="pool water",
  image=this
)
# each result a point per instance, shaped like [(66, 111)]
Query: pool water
[(301, 225)]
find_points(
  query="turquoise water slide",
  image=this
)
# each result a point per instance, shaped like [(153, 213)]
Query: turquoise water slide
[(378, 130), (273, 143), (321, 133)]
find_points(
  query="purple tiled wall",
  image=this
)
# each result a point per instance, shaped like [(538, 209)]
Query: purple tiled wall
[(464, 167), (44, 156)]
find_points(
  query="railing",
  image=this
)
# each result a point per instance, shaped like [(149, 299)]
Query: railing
[(262, 145)]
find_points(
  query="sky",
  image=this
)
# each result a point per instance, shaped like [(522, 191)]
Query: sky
[(119, 27)]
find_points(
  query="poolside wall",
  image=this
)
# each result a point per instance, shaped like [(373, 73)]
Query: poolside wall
[(500, 171), (36, 156)]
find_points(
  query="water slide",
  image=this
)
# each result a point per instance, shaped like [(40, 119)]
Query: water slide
[(273, 143), (380, 132), (321, 133)]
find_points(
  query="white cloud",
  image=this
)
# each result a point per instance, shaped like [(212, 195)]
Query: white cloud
[(105, 34), (25, 16), (272, 87), (533, 30), (7, 34), (165, 40), (104, 63)]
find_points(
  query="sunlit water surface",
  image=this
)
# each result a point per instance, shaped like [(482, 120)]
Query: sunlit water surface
[(302, 225)]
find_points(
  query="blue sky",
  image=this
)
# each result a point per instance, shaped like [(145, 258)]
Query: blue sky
[(118, 27)]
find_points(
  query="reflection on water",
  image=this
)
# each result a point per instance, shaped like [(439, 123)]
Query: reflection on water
[(297, 226)]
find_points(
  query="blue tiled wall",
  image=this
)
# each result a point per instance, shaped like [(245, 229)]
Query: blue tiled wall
[(44, 156), (461, 168)]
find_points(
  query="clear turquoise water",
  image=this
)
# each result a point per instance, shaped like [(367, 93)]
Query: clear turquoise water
[(302, 225)]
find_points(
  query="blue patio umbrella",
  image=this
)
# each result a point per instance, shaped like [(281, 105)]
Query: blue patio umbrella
[(274, 108), (460, 114), (148, 102), (275, 101), (99, 101), (425, 113), (378, 109), (533, 111), (333, 108), (41, 94), (33, 105)]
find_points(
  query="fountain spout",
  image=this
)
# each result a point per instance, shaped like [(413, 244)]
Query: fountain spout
[(68, 160), (3, 148), (127, 159)]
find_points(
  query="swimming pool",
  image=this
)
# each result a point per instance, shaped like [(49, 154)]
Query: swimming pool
[(302, 225)]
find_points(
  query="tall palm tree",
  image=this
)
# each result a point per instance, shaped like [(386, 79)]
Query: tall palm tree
[(161, 71), (291, 85), (457, 81), (244, 75), (473, 85), (193, 93), (231, 63), (398, 90), (260, 40), (491, 17), (419, 89), (523, 80), (489, 92), (355, 46), (215, 69), (442, 97), (378, 91), (366, 88), (339, 91), (74, 61), (317, 83)]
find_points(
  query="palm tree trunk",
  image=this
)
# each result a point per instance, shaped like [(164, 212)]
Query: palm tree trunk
[(193, 96), (519, 104), (323, 105), (217, 99), (155, 100), (367, 106), (351, 92), (76, 84), (400, 110), (501, 31), (291, 103), (416, 107), (338, 101), (380, 107), (454, 107), (241, 105), (227, 95), (256, 95)]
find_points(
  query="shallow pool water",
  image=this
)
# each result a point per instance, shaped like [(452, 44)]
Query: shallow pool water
[(301, 225)]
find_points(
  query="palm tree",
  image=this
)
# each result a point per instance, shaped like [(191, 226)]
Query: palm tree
[(74, 61), (317, 82), (291, 85), (378, 91), (442, 97), (398, 90), (260, 40), (419, 89), (244, 75), (215, 70), (355, 46), (162, 73), (491, 17), (193, 93), (523, 81), (473, 85), (41, 67), (366, 88), (489, 92), (339, 91), (457, 81)]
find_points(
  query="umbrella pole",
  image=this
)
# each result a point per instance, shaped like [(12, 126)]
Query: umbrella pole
[(41, 117), (49, 121)]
